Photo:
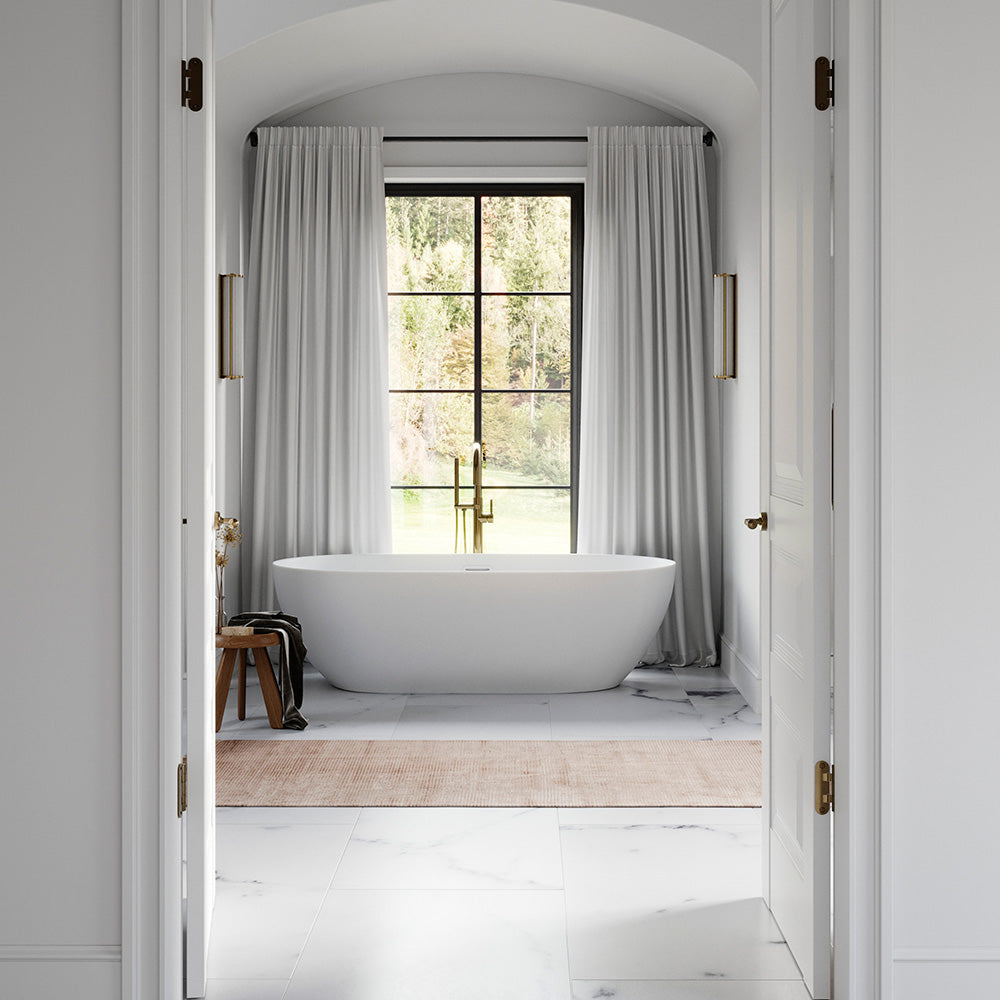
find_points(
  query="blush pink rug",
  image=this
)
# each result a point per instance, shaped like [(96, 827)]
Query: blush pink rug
[(487, 773)]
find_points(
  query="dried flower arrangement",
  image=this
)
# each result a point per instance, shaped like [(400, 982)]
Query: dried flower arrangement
[(227, 533)]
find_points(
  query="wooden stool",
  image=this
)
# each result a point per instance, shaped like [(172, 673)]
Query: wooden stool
[(231, 644)]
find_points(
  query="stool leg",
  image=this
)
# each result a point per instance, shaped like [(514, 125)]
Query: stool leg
[(223, 678), (268, 687), (241, 704)]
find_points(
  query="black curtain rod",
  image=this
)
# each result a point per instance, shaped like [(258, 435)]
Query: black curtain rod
[(708, 139), (484, 138)]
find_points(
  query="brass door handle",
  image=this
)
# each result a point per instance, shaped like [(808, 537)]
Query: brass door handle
[(757, 522)]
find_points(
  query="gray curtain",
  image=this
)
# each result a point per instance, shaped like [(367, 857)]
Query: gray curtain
[(650, 452), (316, 412)]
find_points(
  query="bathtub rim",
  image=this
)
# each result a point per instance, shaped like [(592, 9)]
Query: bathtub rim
[(447, 563)]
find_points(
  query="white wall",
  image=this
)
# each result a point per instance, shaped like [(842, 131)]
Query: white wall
[(740, 254), (941, 480), (60, 585), (485, 104)]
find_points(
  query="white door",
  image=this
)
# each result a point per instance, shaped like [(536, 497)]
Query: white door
[(796, 455), (199, 362)]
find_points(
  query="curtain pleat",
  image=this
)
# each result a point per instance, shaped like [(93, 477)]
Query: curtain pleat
[(650, 449), (316, 412)]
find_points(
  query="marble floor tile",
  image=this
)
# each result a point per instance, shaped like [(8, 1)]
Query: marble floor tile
[(259, 930), (435, 945), (669, 901), (293, 856), (646, 940), (702, 678), (659, 904), (231, 726), (661, 989), (668, 817), (653, 682), (474, 717), (651, 703), (245, 989), (726, 715), (332, 714), (672, 855), (625, 713), (453, 849), (287, 815)]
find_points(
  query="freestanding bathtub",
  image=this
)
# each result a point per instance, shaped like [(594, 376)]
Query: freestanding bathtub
[(458, 624)]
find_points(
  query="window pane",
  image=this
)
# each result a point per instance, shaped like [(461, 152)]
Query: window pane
[(427, 431), (430, 243), (431, 342), (526, 437), (526, 521), (526, 342), (526, 244), (424, 521)]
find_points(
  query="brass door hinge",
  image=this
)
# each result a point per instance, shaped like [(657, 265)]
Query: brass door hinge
[(192, 79), (182, 787), (824, 83), (824, 787)]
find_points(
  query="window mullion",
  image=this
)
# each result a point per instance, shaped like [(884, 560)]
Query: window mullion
[(576, 355), (477, 307)]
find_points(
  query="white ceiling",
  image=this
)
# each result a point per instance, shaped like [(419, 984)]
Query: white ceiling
[(275, 59)]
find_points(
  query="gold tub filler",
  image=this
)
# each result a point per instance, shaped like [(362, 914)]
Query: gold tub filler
[(478, 517)]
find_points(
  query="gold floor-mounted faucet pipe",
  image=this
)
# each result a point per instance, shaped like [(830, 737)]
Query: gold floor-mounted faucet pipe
[(478, 517), (460, 508)]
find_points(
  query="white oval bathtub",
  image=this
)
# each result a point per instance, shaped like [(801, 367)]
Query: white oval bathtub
[(504, 624)]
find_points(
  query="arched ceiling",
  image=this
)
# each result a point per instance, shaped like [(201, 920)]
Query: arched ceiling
[(324, 53)]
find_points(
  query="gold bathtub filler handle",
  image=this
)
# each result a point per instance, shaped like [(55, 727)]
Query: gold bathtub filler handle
[(478, 517)]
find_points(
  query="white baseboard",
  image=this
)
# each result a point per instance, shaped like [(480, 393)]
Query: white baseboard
[(972, 972), (60, 953), (44, 971), (942, 955), (744, 677)]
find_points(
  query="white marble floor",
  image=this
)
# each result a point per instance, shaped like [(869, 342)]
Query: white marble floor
[(494, 904), (499, 904), (673, 704)]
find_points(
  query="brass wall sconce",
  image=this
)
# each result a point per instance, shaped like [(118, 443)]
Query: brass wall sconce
[(725, 326), (230, 325)]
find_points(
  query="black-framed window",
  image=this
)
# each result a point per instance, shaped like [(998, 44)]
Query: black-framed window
[(484, 341)]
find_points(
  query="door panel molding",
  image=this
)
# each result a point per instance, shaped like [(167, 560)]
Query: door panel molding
[(796, 562)]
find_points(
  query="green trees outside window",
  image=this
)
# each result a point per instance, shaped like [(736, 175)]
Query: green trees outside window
[(483, 290)]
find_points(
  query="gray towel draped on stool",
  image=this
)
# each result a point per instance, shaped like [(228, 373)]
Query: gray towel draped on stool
[(291, 653)]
